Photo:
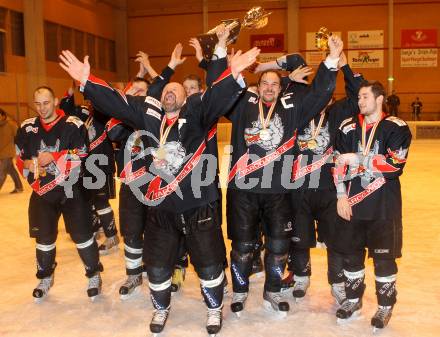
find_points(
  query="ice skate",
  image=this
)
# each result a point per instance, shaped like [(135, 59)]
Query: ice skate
[(381, 318), (95, 286), (273, 301), (130, 285), (237, 303), (302, 283), (214, 321), (42, 289), (338, 292), (348, 310), (110, 245), (158, 321)]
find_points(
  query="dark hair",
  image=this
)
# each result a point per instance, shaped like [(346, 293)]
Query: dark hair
[(194, 77), (266, 72), (376, 87), (141, 79), (44, 87), (2, 112)]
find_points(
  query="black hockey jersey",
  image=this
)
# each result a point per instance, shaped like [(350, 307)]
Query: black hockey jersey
[(175, 174), (314, 145), (66, 139), (373, 188), (265, 165), (95, 123)]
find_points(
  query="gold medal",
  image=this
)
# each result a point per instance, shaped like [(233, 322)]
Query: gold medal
[(366, 143), (312, 144), (264, 132), (161, 152)]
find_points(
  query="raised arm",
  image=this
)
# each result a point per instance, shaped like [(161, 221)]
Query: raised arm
[(108, 100), (321, 90), (221, 96)]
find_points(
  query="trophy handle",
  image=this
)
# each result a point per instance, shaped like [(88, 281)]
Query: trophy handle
[(209, 40)]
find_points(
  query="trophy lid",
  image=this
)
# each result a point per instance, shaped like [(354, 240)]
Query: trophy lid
[(256, 18)]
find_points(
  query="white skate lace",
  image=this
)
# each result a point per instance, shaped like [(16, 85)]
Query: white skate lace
[(348, 306), (301, 284), (239, 297), (131, 281), (276, 298), (45, 284), (338, 292), (382, 313), (94, 282), (159, 316), (214, 316)]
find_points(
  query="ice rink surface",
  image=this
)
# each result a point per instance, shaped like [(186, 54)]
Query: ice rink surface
[(68, 312)]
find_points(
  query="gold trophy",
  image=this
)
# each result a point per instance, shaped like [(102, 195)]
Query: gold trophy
[(255, 18), (321, 38)]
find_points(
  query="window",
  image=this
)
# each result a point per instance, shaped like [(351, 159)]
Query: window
[(103, 52), (79, 43), (2, 51), (91, 50), (17, 34), (112, 56), (51, 41), (2, 18), (66, 38)]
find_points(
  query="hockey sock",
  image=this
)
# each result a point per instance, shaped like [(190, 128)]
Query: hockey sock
[(212, 291), (107, 220), (241, 265), (160, 294), (354, 284), (301, 262), (45, 260), (133, 258), (275, 259), (88, 252), (335, 263), (386, 290)]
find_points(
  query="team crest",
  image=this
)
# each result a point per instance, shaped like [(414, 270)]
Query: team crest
[(317, 145), (275, 133), (169, 158)]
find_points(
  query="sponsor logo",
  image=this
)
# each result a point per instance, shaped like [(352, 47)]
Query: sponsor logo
[(154, 113), (381, 251), (237, 275), (31, 129), (153, 101)]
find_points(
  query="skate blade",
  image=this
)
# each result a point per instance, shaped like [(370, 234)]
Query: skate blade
[(108, 251), (39, 300), (94, 298), (298, 299), (270, 309), (130, 295), (237, 314), (353, 317), (155, 334)]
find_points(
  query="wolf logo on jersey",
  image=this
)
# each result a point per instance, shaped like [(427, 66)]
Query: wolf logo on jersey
[(276, 132), (51, 168), (174, 158), (322, 140)]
